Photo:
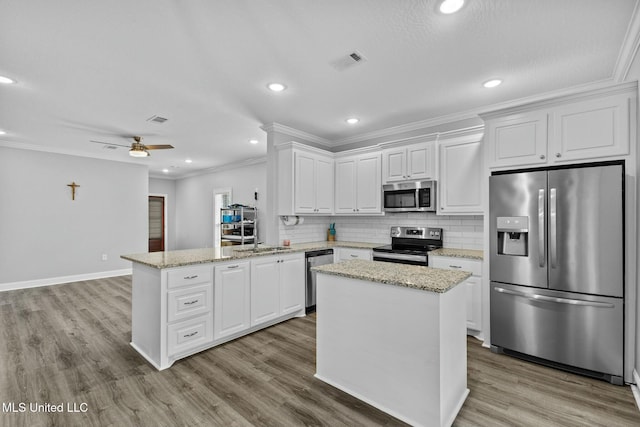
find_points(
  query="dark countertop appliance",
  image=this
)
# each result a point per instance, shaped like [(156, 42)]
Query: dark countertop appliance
[(410, 245)]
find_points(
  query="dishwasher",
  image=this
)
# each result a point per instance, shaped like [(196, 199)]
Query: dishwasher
[(314, 259)]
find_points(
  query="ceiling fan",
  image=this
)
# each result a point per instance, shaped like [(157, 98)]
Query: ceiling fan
[(137, 148)]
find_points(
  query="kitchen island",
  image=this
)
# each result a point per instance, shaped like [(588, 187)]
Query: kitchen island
[(394, 336), (187, 301)]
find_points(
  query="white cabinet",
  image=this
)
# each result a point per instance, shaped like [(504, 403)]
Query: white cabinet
[(410, 162), (594, 127), (313, 184), (231, 298), (358, 184), (277, 286), (473, 286), (345, 254), (461, 174)]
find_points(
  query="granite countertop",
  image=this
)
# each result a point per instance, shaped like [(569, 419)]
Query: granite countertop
[(410, 276), (458, 253), (181, 258)]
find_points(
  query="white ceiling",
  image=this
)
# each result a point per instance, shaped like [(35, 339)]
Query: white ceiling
[(97, 70)]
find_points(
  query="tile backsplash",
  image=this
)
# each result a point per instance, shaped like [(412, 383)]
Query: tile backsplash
[(462, 232)]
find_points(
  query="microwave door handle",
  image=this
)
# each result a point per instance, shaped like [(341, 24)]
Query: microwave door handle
[(553, 227), (541, 257)]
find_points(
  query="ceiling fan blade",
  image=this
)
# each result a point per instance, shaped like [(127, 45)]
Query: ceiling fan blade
[(158, 147), (109, 143)]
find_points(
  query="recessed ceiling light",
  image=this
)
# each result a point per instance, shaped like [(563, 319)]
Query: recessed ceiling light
[(7, 80), (2, 132), (276, 87), (188, 161), (352, 120), (165, 170), (253, 141), (451, 6), (492, 83)]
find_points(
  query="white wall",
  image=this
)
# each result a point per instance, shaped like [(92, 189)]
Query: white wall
[(194, 201), (46, 235), (167, 187), (461, 232)]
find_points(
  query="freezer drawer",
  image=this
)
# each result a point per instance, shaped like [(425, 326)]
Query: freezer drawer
[(578, 330)]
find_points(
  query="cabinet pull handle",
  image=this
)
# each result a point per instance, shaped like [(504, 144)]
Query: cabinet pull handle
[(190, 277), (455, 266), (191, 334), (542, 156), (233, 266), (191, 302), (354, 256), (558, 155)]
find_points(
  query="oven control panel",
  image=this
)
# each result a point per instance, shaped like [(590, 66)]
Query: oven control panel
[(417, 232)]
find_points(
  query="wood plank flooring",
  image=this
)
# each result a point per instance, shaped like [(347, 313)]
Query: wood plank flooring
[(69, 344)]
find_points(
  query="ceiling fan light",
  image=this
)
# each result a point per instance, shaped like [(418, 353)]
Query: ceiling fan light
[(451, 6), (138, 153)]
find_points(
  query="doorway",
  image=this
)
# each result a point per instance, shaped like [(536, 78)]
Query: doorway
[(156, 223), (221, 199)]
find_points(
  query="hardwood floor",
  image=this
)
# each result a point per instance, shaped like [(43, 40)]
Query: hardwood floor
[(69, 345)]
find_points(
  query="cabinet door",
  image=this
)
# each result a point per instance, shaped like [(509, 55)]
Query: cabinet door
[(345, 189), (265, 290), (305, 181), (292, 284), (591, 129), (460, 181), (231, 299), (474, 298), (517, 140), (324, 185), (394, 165), (421, 161), (368, 184)]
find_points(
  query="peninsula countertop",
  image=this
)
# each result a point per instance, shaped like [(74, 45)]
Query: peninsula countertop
[(410, 276), (181, 258), (458, 253)]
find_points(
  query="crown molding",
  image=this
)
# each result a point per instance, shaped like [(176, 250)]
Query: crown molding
[(277, 127), (221, 168), (629, 47)]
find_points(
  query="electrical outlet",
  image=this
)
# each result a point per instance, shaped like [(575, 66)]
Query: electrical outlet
[(104, 257)]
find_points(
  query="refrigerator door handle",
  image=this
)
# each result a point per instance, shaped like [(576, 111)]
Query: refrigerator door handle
[(553, 235), (555, 299), (541, 198)]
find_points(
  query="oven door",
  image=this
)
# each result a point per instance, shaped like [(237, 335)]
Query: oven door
[(401, 258)]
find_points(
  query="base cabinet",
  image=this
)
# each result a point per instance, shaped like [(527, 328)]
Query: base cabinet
[(231, 299), (473, 287)]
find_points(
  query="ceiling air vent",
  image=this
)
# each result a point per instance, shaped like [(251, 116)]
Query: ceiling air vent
[(348, 61), (157, 119)]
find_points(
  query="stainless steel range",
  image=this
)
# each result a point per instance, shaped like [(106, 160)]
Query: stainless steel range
[(409, 245)]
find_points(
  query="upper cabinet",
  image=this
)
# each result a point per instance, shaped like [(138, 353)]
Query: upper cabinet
[(305, 182), (589, 126), (409, 162), (461, 171), (358, 184)]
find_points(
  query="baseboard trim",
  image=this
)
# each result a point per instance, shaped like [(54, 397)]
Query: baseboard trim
[(10, 286), (635, 388)]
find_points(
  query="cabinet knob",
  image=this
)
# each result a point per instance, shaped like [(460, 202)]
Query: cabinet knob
[(558, 155), (542, 156)]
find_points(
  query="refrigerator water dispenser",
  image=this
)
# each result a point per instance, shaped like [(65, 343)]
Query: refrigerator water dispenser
[(513, 235)]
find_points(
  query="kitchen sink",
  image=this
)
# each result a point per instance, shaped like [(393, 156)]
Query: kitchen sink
[(264, 249)]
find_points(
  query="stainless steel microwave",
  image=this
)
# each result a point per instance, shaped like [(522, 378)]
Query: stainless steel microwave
[(418, 196)]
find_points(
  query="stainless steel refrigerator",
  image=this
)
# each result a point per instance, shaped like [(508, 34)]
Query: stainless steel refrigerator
[(557, 272)]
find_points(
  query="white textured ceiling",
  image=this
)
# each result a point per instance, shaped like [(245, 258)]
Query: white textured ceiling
[(97, 70)]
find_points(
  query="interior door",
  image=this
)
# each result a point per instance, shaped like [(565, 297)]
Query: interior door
[(586, 241), (156, 223)]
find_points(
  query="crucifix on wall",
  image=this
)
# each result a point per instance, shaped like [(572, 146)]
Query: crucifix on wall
[(73, 186)]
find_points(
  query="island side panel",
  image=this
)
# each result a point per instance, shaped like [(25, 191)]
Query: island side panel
[(453, 352), (146, 313), (382, 344)]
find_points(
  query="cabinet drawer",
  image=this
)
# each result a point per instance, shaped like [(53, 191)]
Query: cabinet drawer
[(346, 254), (452, 263), (184, 336), (189, 276), (188, 302)]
